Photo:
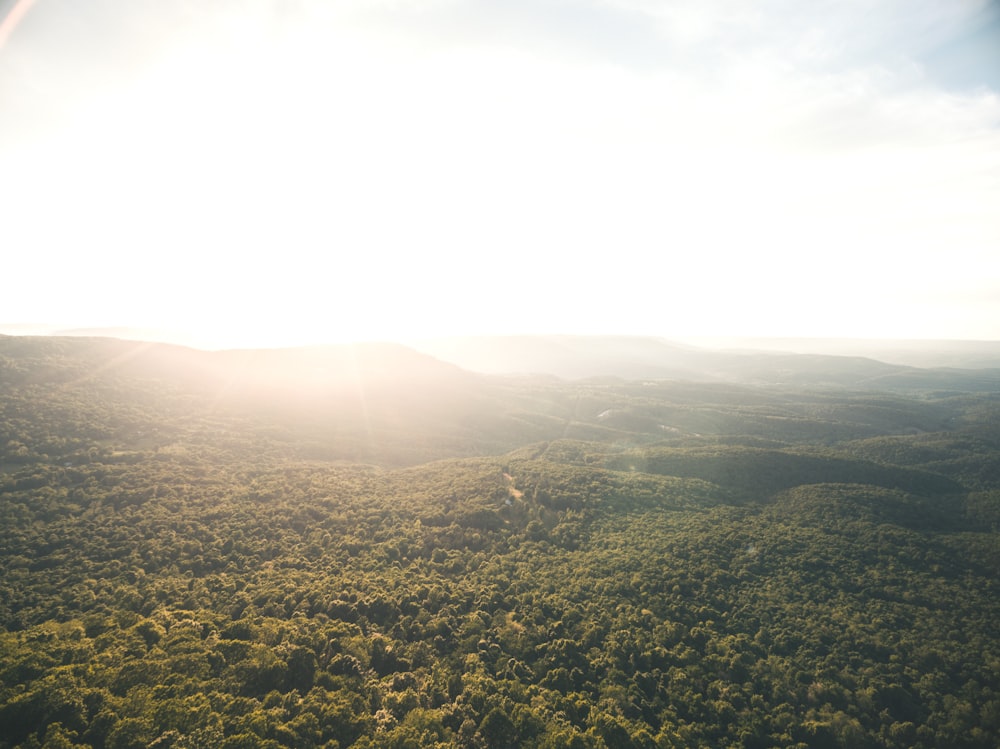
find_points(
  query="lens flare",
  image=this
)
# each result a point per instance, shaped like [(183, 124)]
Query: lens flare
[(17, 13)]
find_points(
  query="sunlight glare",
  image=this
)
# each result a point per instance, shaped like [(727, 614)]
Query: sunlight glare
[(324, 171)]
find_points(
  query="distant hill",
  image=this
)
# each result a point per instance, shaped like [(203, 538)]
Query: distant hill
[(880, 363), (639, 358), (297, 366), (959, 354), (357, 401)]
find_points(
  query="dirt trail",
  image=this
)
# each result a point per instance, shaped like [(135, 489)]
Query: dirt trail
[(514, 492)]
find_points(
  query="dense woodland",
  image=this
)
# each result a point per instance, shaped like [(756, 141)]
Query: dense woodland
[(365, 547)]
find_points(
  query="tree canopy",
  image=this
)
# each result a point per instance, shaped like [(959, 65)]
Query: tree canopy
[(449, 560)]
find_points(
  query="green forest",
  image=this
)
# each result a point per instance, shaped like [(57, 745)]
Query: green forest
[(366, 547)]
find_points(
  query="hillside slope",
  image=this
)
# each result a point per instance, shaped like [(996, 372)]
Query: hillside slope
[(370, 548)]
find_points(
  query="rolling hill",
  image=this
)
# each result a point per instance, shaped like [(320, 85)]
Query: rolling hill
[(637, 358), (364, 546)]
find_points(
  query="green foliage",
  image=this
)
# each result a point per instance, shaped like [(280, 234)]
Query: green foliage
[(181, 569)]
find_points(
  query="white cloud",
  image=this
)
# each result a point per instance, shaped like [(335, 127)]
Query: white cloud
[(755, 158)]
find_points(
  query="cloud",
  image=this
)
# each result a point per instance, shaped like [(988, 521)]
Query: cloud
[(832, 34), (720, 150)]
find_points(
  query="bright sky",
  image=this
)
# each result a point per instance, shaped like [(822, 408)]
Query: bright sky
[(285, 171)]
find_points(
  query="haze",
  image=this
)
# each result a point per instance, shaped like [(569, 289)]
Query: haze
[(275, 173)]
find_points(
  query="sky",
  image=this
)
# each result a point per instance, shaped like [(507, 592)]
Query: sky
[(278, 172)]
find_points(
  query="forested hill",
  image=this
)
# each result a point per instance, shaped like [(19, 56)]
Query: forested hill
[(364, 546), (970, 367)]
